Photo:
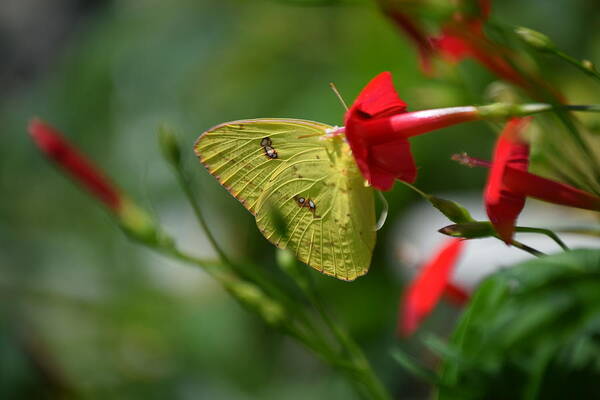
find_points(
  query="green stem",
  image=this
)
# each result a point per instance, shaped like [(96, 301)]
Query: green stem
[(581, 107), (249, 272), (543, 231), (362, 367), (357, 368), (590, 70), (567, 121), (526, 248), (581, 230), (416, 189), (185, 186), (228, 280)]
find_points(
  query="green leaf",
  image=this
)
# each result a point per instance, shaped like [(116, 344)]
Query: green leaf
[(529, 332)]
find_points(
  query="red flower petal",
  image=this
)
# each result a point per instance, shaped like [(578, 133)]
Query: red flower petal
[(378, 99), (503, 205), (74, 163), (456, 294), (380, 166), (531, 185), (453, 47), (377, 126), (391, 161), (425, 291)]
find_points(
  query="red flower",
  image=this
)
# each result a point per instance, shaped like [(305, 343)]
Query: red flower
[(425, 291), (456, 294), (503, 205), (415, 32), (377, 128), (460, 40), (462, 37), (75, 164), (509, 183)]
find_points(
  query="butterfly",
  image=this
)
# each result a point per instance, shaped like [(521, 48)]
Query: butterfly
[(291, 171)]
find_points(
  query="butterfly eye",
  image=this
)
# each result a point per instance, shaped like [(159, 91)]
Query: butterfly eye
[(266, 142), (300, 200)]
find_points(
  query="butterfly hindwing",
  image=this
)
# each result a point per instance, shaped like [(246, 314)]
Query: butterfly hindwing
[(284, 172)]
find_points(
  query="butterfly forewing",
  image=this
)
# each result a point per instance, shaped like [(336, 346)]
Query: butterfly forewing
[(284, 172)]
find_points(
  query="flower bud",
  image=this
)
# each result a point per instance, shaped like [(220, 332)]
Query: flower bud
[(254, 298), (469, 230), (535, 39), (140, 226), (169, 146), (588, 65), (451, 209)]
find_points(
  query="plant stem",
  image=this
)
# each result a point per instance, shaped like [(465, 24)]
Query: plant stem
[(581, 230), (591, 71), (228, 280), (363, 370), (543, 231), (526, 248), (581, 107), (416, 189), (185, 186)]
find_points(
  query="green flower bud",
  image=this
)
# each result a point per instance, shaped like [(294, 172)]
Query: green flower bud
[(169, 146), (140, 226), (535, 39), (254, 298), (451, 209), (469, 230)]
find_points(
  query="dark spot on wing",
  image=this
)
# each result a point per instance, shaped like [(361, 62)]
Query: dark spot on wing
[(270, 152), (300, 200)]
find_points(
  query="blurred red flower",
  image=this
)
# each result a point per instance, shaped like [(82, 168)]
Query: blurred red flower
[(75, 164), (462, 36), (424, 292)]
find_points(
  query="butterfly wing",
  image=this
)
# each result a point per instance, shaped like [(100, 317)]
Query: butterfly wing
[(285, 172)]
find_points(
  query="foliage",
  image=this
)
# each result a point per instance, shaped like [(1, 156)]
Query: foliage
[(531, 331)]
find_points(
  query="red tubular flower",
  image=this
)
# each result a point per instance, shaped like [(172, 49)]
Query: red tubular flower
[(509, 183), (377, 128), (51, 143), (425, 291), (503, 205)]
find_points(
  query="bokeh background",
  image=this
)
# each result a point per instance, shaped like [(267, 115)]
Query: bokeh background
[(87, 314)]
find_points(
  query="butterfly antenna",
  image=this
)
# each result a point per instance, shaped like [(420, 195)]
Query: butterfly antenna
[(384, 212), (339, 96)]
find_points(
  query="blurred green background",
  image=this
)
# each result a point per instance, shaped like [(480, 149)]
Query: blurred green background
[(87, 313)]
